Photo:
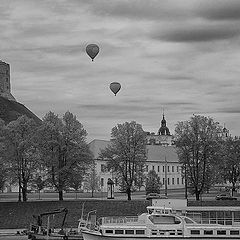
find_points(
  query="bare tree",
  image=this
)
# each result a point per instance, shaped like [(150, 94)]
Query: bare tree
[(126, 153)]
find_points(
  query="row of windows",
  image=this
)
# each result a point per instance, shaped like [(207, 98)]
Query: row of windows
[(178, 168), (169, 168), (127, 231), (173, 182), (210, 232), (142, 232)]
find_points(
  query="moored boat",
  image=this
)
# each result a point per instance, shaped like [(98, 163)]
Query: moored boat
[(158, 223)]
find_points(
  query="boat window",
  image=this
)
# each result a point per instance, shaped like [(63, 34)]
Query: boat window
[(188, 220), (118, 231), (109, 231), (140, 231), (234, 232), (172, 232), (161, 233), (129, 231), (156, 219), (154, 232), (208, 232), (195, 232), (221, 232), (179, 232)]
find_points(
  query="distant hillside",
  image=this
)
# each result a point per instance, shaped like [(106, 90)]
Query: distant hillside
[(11, 110)]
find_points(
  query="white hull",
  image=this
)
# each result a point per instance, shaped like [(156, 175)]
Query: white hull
[(95, 236)]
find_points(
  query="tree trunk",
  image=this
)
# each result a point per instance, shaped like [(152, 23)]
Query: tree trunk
[(24, 194), (128, 194), (19, 193), (92, 193), (60, 195), (197, 193)]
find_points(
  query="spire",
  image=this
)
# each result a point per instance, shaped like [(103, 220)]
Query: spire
[(163, 130)]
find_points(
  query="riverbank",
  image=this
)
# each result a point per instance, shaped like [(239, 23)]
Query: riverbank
[(19, 215)]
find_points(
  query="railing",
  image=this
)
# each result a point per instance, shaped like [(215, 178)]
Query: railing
[(118, 220)]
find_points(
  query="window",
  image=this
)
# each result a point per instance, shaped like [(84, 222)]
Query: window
[(177, 168), (195, 232), (158, 168), (172, 168), (168, 181), (168, 168), (154, 232), (129, 231), (153, 168), (102, 182), (163, 168), (177, 180), (234, 232), (108, 231), (118, 231), (208, 232), (146, 168), (163, 180), (221, 232), (172, 181), (140, 231)]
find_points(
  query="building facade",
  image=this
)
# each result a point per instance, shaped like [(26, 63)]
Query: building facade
[(161, 157)]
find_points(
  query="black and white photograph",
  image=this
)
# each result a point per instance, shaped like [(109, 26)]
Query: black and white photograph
[(119, 119)]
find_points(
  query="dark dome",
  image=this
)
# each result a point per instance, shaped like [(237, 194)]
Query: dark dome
[(163, 130)]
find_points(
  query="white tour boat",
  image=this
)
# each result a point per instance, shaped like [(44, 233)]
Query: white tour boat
[(157, 223)]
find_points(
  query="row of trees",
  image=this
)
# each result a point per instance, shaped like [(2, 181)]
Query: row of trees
[(56, 150)]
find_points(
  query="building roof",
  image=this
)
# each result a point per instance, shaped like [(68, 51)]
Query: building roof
[(96, 146), (158, 152), (154, 152)]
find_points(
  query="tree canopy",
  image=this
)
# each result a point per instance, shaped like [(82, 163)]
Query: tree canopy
[(127, 152), (198, 146)]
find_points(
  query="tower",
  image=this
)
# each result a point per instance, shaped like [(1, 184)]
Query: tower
[(163, 130), (5, 87)]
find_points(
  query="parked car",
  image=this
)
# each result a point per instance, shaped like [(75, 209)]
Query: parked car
[(155, 196), (224, 196)]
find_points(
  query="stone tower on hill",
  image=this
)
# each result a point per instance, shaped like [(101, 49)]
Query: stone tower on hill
[(10, 109), (5, 86)]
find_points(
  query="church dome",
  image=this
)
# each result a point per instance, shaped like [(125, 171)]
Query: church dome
[(163, 130)]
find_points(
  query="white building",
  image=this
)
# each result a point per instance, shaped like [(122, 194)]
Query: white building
[(161, 157)]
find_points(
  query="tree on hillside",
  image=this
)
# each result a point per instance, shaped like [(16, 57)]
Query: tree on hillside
[(126, 153), (153, 183), (198, 148), (92, 180), (230, 163), (62, 143), (19, 151)]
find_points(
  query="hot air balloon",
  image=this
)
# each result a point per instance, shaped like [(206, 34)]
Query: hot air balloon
[(115, 87), (92, 50)]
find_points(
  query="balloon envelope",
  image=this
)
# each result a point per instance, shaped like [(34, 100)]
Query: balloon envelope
[(115, 87), (92, 50)]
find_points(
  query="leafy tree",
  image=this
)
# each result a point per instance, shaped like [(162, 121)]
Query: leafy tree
[(126, 153), (75, 179), (38, 184), (92, 180), (139, 178), (63, 146), (198, 147), (230, 164), (153, 183), (19, 151)]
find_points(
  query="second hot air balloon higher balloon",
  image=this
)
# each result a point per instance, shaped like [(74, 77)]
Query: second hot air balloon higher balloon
[(92, 50), (115, 87)]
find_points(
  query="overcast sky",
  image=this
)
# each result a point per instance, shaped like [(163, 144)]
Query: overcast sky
[(182, 56)]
